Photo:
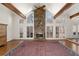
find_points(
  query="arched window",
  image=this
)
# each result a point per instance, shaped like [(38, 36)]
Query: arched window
[(49, 17), (30, 25), (30, 18), (49, 24)]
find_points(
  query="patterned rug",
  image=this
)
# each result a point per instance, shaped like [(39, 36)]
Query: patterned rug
[(41, 48)]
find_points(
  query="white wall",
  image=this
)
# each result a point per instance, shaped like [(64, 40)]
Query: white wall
[(67, 22), (16, 27), (12, 21)]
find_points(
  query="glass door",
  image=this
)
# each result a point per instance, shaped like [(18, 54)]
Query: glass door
[(60, 32), (49, 32), (29, 31)]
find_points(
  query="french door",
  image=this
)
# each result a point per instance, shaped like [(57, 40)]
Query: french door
[(55, 32), (29, 31), (49, 32)]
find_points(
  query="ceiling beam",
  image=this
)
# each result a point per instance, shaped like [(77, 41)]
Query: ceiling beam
[(14, 9), (66, 7), (74, 15)]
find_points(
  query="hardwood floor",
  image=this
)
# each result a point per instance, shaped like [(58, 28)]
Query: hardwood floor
[(10, 45), (41, 48), (35, 48)]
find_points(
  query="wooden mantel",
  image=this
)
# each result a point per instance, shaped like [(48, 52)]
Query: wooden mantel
[(14, 9), (66, 7)]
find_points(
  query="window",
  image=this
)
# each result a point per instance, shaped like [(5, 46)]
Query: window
[(30, 19), (21, 33), (29, 31), (61, 32), (57, 31), (49, 31), (21, 28), (49, 17), (78, 29), (49, 24), (30, 25), (74, 30), (21, 21)]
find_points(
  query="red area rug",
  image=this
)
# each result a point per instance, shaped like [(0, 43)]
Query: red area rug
[(41, 48)]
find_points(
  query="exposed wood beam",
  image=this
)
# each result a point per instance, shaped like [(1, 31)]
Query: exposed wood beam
[(67, 6), (74, 15), (14, 9)]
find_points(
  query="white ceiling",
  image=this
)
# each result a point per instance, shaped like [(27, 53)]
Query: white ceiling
[(27, 7)]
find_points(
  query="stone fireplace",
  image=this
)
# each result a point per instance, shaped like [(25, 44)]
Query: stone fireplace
[(39, 23)]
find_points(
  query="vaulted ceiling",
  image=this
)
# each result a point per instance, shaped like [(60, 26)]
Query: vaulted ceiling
[(22, 9), (26, 7)]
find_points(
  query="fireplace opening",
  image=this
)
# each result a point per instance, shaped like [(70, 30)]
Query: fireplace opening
[(39, 35)]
